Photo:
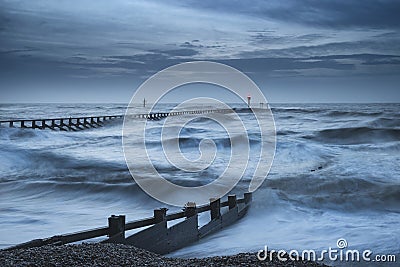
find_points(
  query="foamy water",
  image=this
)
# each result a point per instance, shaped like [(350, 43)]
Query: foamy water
[(336, 174)]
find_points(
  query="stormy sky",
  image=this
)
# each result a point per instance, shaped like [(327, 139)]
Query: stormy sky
[(296, 51)]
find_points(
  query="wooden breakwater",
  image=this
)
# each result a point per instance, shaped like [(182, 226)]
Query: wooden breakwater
[(81, 123), (61, 124), (157, 237)]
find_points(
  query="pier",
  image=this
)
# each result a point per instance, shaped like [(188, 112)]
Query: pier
[(157, 237), (61, 124), (81, 123)]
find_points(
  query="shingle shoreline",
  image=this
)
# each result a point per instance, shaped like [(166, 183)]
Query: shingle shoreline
[(95, 254)]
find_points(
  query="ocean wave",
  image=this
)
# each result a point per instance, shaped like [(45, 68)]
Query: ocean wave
[(284, 117), (329, 112), (304, 110), (384, 123), (188, 131), (194, 142), (59, 190), (355, 135), (286, 132), (341, 193), (335, 113), (15, 134), (201, 120), (31, 164)]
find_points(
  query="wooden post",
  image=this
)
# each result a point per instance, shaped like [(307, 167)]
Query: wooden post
[(215, 208), (248, 197), (22, 124), (43, 124), (33, 124), (190, 209), (116, 225), (160, 214), (11, 124), (232, 201)]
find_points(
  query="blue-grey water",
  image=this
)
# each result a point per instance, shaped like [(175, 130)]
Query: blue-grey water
[(57, 182)]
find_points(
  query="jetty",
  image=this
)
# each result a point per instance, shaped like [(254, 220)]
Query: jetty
[(153, 234), (82, 123)]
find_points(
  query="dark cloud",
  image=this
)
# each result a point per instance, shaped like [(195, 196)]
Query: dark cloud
[(195, 44), (317, 13), (266, 65), (190, 45), (383, 61), (273, 38), (184, 52), (339, 13), (393, 35), (326, 49), (23, 50)]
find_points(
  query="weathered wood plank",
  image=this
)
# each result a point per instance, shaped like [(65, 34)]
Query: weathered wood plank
[(182, 234), (210, 227), (153, 238), (229, 217)]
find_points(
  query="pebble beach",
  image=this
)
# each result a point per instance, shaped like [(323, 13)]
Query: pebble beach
[(95, 254)]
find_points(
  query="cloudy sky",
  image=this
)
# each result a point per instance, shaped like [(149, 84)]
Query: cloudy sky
[(296, 51)]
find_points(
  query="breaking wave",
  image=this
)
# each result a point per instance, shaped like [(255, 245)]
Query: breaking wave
[(355, 135)]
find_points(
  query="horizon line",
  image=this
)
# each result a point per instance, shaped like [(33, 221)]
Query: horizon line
[(125, 103)]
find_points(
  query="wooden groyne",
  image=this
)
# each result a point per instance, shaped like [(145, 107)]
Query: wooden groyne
[(81, 123), (61, 124), (157, 237)]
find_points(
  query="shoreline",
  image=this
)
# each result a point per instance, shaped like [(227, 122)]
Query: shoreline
[(98, 254)]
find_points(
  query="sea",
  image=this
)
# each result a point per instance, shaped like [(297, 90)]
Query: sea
[(335, 175)]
